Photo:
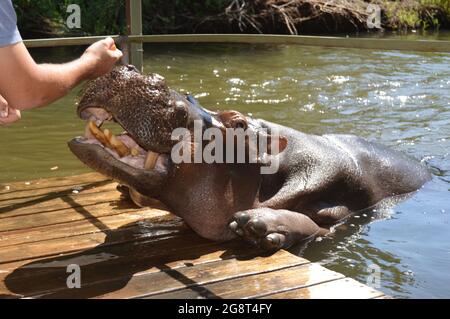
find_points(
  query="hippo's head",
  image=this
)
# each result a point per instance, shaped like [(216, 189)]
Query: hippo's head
[(143, 105), (149, 112)]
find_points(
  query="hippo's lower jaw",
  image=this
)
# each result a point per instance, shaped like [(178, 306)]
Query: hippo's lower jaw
[(120, 157)]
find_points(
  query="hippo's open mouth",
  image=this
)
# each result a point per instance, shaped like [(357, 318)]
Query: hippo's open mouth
[(122, 147), (149, 112)]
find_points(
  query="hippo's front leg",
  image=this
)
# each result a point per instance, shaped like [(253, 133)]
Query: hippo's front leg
[(272, 229)]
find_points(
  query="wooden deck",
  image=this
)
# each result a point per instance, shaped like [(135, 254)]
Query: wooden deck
[(128, 252)]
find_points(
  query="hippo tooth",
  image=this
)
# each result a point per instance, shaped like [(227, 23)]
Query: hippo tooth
[(150, 161), (135, 197), (119, 146), (134, 151), (98, 134), (88, 133), (107, 133), (116, 144)]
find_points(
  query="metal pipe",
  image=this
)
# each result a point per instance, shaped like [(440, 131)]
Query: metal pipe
[(55, 42), (336, 42), (134, 28)]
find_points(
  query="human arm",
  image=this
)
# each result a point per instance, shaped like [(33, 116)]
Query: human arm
[(8, 115), (26, 84)]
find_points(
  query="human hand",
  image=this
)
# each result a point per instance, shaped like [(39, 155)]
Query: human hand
[(8, 115), (101, 57)]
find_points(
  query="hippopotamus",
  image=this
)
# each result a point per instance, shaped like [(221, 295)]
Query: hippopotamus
[(319, 182)]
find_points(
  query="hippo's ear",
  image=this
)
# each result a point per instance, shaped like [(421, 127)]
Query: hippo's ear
[(271, 144), (276, 144)]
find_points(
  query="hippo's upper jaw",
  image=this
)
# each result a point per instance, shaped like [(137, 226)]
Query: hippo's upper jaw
[(142, 104), (146, 110)]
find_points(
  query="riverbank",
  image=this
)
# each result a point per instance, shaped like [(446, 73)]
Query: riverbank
[(43, 19), (325, 16)]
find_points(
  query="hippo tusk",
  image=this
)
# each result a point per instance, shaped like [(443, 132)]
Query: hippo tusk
[(150, 161), (117, 144), (107, 139), (98, 134)]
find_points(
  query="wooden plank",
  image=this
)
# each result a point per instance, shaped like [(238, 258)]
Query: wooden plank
[(144, 285), (59, 203), (81, 227), (39, 195), (258, 285), (68, 215), (345, 288), (167, 279), (51, 182), (116, 264), (166, 240), (76, 243)]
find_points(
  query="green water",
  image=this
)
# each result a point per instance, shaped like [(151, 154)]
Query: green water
[(400, 99)]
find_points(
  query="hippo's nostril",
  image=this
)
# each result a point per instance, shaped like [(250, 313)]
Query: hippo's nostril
[(131, 67), (240, 124)]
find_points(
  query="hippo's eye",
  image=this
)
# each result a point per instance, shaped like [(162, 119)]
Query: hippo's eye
[(239, 123), (233, 119)]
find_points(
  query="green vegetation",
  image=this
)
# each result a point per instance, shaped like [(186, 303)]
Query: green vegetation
[(416, 14), (46, 18)]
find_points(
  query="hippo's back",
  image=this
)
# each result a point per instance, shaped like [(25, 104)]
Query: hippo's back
[(391, 172)]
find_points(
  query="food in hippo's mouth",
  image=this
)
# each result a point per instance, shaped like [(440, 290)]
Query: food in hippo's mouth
[(109, 140), (122, 146)]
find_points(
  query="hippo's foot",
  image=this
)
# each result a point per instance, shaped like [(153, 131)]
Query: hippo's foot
[(273, 229)]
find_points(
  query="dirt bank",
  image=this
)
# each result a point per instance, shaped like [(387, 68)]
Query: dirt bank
[(326, 16)]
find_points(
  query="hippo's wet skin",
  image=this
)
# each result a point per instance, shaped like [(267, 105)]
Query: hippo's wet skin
[(320, 180)]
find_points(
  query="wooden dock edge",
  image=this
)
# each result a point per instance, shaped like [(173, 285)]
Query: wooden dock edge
[(122, 251)]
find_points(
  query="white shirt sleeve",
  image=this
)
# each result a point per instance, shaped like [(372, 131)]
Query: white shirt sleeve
[(9, 34)]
